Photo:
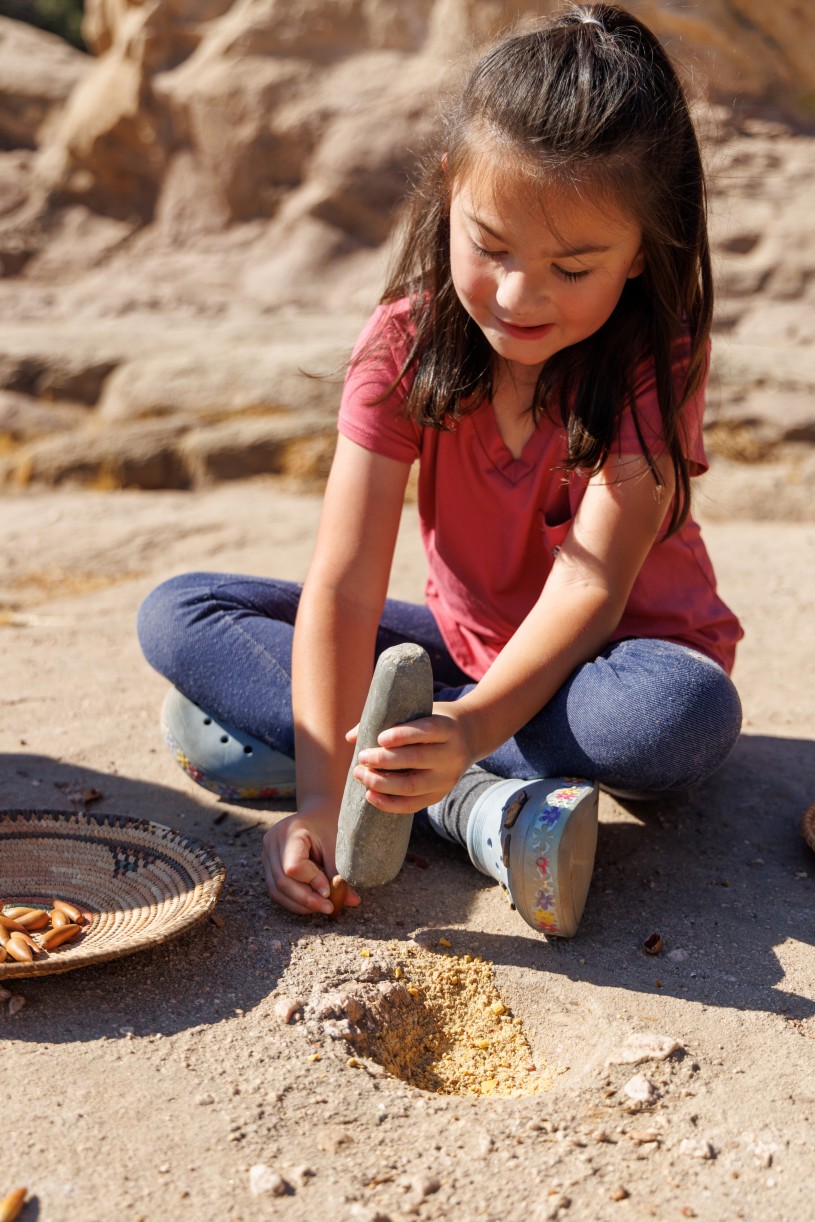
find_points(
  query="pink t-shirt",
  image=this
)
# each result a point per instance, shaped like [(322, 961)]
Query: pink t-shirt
[(492, 524)]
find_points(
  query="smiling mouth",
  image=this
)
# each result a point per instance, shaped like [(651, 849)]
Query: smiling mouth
[(524, 332)]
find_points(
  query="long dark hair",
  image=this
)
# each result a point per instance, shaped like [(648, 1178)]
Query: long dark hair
[(590, 101)]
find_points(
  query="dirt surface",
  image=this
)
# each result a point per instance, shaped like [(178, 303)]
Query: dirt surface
[(214, 1077)]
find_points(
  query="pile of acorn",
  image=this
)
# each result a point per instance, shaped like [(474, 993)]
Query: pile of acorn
[(55, 927)]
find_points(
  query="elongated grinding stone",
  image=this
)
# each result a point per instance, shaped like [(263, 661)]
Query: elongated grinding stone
[(371, 843)]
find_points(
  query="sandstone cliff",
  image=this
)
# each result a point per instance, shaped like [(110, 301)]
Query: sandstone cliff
[(201, 208)]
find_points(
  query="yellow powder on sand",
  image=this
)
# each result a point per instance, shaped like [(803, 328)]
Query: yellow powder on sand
[(454, 1034)]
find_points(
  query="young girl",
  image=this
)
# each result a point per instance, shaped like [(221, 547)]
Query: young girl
[(541, 349)]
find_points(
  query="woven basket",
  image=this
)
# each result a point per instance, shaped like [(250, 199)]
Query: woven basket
[(808, 826), (137, 883)]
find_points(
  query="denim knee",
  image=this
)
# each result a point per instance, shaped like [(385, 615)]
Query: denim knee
[(669, 717)]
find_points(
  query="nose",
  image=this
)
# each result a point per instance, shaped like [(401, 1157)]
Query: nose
[(519, 294)]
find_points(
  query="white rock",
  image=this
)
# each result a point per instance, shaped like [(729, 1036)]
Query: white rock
[(643, 1046), (15, 1004), (697, 1149), (678, 956), (263, 1181), (640, 1089)]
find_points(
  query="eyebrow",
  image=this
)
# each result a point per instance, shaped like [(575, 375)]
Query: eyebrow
[(589, 249)]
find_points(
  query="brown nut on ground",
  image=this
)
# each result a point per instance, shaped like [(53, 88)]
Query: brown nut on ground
[(339, 890), (11, 1205), (56, 937), (653, 944)]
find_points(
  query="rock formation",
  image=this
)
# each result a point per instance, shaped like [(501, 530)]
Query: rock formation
[(201, 209)]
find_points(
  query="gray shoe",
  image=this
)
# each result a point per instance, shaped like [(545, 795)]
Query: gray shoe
[(538, 839), (224, 760)]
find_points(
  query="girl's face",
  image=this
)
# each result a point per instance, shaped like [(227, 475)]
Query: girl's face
[(536, 284)]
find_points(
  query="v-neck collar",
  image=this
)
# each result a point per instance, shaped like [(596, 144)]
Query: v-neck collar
[(498, 452)]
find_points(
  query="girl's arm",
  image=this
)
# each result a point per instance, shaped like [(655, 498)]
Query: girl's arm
[(334, 640), (580, 605)]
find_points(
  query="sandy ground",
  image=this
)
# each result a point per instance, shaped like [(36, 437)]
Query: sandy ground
[(149, 1087)]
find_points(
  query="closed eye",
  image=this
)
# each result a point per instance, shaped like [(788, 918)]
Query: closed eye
[(484, 253), (571, 276)]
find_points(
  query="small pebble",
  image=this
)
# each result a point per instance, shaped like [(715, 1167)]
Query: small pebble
[(205, 1100), (678, 956), (264, 1181), (619, 1193), (555, 1206), (424, 1186), (302, 1174), (285, 1008), (643, 1137), (16, 1004), (643, 1046), (697, 1149), (5, 994), (639, 1089)]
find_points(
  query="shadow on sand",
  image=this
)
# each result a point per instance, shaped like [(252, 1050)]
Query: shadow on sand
[(722, 874)]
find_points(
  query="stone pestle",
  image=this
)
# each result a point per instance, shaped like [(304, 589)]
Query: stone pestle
[(371, 843)]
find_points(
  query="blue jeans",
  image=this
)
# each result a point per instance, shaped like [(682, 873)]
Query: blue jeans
[(645, 715)]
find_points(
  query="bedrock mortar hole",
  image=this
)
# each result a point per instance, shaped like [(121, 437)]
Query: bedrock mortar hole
[(437, 1022)]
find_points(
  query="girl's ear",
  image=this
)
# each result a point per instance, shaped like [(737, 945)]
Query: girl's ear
[(638, 265)]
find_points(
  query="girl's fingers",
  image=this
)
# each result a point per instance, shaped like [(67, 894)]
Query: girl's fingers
[(397, 804), (433, 729), (405, 757), (293, 879), (404, 784), (299, 867), (277, 895)]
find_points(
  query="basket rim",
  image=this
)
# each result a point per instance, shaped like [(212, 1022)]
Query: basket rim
[(22, 823)]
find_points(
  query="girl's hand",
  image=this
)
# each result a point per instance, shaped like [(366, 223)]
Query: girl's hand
[(299, 859), (415, 764)]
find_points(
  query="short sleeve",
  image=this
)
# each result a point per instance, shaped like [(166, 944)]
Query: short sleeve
[(375, 422), (649, 417)]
